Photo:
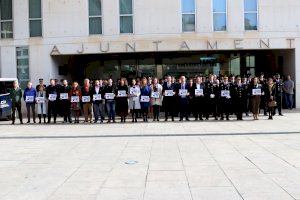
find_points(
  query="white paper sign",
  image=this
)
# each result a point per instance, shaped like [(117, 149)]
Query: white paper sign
[(64, 96), (29, 99), (40, 100), (225, 93), (169, 93), (145, 99), (109, 96), (75, 99), (122, 93), (52, 97), (212, 96), (256, 92), (97, 97), (86, 99), (199, 92), (155, 95), (183, 92), (134, 91)]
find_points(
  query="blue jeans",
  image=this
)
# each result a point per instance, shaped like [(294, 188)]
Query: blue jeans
[(289, 100), (111, 109), (97, 111)]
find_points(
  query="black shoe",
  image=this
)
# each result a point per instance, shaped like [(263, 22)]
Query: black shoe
[(187, 119), (280, 114), (12, 122), (21, 122), (201, 119), (28, 122), (40, 122), (180, 119), (166, 119), (270, 118)]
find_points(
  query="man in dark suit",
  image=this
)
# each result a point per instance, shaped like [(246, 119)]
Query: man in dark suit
[(52, 94), (169, 101), (182, 92), (198, 98)]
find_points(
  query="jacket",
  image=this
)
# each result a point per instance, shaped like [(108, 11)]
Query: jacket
[(29, 92)]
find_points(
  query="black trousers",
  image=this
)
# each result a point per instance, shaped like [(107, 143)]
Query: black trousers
[(279, 105), (32, 107), (156, 111), (52, 110), (184, 107), (66, 111), (16, 106), (198, 107), (224, 108), (211, 107)]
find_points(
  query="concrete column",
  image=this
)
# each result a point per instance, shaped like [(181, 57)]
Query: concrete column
[(297, 70)]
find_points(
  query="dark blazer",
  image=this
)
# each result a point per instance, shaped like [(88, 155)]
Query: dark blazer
[(101, 92), (192, 93)]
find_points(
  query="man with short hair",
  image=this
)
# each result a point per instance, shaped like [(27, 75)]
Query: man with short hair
[(52, 94), (288, 88), (16, 96), (29, 98)]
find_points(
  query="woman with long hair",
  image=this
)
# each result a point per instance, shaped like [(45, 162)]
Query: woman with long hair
[(145, 99), (75, 96)]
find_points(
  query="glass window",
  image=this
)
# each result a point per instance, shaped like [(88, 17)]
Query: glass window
[(219, 14), (6, 19), (250, 14), (95, 17), (22, 66), (126, 16), (250, 5), (188, 22), (95, 7), (188, 15), (125, 7), (219, 5), (188, 6), (35, 18)]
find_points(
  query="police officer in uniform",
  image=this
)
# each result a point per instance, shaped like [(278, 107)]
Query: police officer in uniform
[(211, 96), (279, 91), (225, 98), (183, 99), (238, 98)]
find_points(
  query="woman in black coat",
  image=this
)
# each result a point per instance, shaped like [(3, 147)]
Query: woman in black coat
[(270, 94), (121, 100)]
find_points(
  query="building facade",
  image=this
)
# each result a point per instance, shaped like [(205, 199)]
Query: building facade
[(75, 39)]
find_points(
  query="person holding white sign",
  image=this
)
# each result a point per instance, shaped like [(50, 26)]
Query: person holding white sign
[(86, 92), (145, 99), (134, 100), (29, 97), (110, 103), (41, 103), (225, 98), (97, 93), (198, 98), (121, 100), (182, 91), (52, 94), (169, 100), (65, 101), (156, 98), (75, 94), (256, 91)]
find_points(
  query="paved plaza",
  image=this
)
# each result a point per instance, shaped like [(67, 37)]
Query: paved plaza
[(155, 161)]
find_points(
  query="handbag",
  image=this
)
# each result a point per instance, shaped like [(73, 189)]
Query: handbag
[(272, 104)]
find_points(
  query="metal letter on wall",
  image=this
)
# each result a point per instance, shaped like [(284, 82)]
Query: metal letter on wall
[(183, 46), (265, 44), (237, 44), (156, 44), (290, 40), (130, 47), (212, 47), (104, 50), (55, 51), (81, 50)]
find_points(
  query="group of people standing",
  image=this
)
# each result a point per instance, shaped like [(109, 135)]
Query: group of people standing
[(201, 97)]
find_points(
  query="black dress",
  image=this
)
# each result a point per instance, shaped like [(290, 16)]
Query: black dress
[(122, 102)]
